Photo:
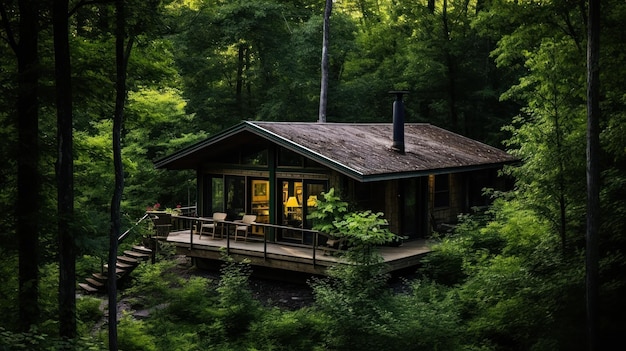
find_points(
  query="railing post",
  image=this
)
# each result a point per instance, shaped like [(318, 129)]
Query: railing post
[(264, 245), (191, 235), (315, 240)]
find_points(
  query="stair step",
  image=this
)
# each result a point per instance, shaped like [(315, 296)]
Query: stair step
[(127, 260), (88, 287), (118, 270), (137, 255), (94, 283), (100, 277), (142, 249), (124, 266)]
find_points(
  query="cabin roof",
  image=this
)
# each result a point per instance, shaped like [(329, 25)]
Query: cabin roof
[(359, 150)]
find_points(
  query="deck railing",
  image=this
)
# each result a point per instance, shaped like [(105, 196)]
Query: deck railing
[(192, 224)]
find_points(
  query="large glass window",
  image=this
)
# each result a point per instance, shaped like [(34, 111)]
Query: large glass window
[(213, 195), (313, 192), (235, 196), (292, 203), (217, 194), (261, 200)]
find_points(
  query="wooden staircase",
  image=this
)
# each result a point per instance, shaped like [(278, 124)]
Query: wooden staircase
[(125, 264)]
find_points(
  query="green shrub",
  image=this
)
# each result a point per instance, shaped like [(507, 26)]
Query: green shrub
[(88, 313), (443, 265), (8, 288), (288, 330), (132, 335), (153, 282), (35, 341), (238, 306), (192, 301), (88, 308)]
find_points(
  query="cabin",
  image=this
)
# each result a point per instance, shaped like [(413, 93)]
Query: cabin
[(421, 177)]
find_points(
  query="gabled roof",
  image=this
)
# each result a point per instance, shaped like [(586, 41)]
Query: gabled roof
[(360, 151)]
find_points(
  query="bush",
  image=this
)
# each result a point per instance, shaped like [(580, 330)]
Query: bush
[(238, 306), (192, 301), (288, 330), (153, 282), (132, 335), (88, 309), (88, 313)]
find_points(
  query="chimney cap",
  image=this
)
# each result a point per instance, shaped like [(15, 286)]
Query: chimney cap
[(398, 92)]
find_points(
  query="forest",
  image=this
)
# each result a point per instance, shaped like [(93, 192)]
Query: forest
[(92, 92)]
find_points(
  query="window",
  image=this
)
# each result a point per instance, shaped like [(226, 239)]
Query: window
[(256, 158), (235, 196), (442, 191), (289, 159), (217, 194)]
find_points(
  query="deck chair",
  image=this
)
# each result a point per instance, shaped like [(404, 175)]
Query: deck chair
[(211, 228), (333, 244), (162, 224), (244, 226)]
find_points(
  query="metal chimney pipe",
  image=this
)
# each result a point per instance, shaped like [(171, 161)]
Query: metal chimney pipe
[(398, 121)]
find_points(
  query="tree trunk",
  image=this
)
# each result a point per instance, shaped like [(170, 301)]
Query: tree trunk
[(451, 67), (239, 82), (593, 171), (121, 60), (324, 84), (65, 172), (28, 178)]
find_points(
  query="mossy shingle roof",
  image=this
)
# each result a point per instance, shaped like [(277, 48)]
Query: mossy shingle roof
[(359, 150)]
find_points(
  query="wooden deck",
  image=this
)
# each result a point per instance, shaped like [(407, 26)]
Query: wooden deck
[(286, 256)]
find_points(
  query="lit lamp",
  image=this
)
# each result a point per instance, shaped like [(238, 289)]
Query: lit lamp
[(292, 202), (311, 201)]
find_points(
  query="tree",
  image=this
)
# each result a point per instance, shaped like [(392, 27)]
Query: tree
[(23, 40), (548, 134), (593, 171), (324, 80), (122, 53), (65, 171)]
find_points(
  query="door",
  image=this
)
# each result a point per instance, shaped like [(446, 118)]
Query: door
[(415, 208)]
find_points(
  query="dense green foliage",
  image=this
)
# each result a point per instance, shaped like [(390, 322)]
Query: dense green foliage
[(497, 71)]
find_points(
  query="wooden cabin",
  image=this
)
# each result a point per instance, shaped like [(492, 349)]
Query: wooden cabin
[(419, 175)]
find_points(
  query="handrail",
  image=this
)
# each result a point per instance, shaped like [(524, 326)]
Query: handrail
[(125, 234), (265, 238)]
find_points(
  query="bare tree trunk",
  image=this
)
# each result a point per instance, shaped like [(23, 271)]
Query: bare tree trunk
[(239, 83), (324, 84), (121, 61), (593, 171), (65, 172), (28, 179), (451, 67)]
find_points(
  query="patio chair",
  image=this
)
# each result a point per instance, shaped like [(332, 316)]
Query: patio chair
[(333, 244), (218, 221), (244, 226), (162, 224)]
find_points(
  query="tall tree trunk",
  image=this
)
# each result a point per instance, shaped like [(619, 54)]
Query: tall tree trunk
[(65, 172), (121, 61), (28, 179), (593, 170), (239, 82), (451, 67), (324, 83)]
